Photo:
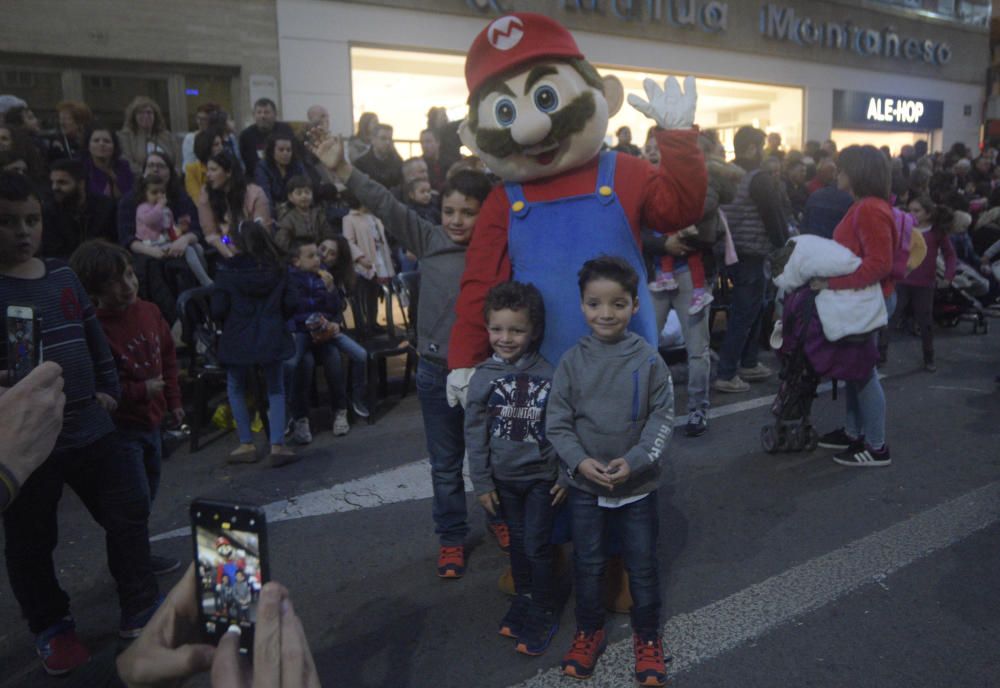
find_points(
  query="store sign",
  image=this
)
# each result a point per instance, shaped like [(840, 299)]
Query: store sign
[(857, 110), (782, 24)]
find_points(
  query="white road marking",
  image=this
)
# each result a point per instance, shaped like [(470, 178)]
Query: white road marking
[(961, 389), (754, 611), (407, 482)]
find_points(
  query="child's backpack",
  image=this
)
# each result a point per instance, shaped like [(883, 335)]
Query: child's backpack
[(910, 248)]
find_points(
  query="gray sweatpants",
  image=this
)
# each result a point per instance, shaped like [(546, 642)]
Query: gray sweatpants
[(695, 331)]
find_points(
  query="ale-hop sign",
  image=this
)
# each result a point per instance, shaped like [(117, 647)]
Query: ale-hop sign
[(857, 110)]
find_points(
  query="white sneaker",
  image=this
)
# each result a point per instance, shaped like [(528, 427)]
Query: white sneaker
[(755, 374), (732, 386), (340, 424), (698, 302), (301, 433)]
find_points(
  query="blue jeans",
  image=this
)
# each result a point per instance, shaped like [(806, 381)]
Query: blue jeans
[(866, 402), (638, 524), (111, 483), (527, 508), (298, 371), (236, 386), (742, 342), (444, 428), (147, 444)]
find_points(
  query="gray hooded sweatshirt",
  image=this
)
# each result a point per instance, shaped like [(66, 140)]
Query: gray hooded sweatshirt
[(442, 263), (505, 422), (610, 400)]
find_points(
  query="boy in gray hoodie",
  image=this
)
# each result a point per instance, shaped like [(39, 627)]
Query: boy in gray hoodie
[(610, 415), (512, 464), (441, 251)]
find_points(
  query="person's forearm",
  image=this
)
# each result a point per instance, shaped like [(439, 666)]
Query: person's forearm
[(144, 250)]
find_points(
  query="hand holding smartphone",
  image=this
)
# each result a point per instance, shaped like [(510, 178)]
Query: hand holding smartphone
[(24, 342), (230, 555)]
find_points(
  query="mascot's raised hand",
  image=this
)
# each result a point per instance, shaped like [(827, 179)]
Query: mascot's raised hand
[(668, 106)]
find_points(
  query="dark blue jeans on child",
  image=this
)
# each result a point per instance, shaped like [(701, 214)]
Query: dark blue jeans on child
[(444, 428), (112, 484), (148, 446), (637, 525), (527, 508)]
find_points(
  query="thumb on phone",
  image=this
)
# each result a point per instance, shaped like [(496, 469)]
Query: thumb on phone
[(228, 669)]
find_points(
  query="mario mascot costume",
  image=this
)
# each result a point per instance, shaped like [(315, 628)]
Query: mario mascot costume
[(538, 116)]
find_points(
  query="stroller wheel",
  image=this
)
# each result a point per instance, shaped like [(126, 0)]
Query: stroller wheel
[(769, 439)]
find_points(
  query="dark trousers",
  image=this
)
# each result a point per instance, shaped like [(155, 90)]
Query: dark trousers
[(638, 526), (148, 445), (527, 508), (741, 345), (162, 281), (921, 300), (112, 484)]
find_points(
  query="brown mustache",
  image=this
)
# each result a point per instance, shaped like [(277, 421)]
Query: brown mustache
[(499, 143)]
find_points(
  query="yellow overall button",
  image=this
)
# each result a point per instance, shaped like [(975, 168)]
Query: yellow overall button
[(518, 206), (605, 191)]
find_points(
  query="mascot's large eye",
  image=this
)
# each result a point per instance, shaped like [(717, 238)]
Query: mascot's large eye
[(546, 99), (505, 112)]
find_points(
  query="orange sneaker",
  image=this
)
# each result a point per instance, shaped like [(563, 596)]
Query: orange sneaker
[(650, 664), (502, 533), (581, 659), (451, 562)]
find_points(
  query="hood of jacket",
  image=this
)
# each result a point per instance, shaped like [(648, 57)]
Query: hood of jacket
[(244, 275)]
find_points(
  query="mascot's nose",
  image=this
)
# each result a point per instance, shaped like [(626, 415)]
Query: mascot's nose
[(531, 127)]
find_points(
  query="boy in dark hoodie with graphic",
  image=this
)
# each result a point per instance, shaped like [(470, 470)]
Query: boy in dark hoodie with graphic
[(610, 415), (512, 464)]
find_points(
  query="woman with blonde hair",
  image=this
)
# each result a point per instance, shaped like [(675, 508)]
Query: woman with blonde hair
[(145, 132)]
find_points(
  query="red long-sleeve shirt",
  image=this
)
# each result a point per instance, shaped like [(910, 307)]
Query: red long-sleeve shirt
[(143, 348), (667, 198), (868, 229)]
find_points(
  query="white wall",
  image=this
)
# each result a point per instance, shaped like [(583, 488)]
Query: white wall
[(314, 39)]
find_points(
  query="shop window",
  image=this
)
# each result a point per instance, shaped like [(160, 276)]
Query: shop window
[(40, 90), (200, 89), (109, 95)]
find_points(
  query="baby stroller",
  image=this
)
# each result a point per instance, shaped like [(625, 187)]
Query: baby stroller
[(956, 301), (792, 429)]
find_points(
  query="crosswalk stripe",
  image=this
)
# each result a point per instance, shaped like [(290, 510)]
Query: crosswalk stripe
[(726, 624)]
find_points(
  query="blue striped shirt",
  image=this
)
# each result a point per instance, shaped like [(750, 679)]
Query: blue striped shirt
[(72, 337)]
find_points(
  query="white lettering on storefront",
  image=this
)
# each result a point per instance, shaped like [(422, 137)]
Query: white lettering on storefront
[(896, 111)]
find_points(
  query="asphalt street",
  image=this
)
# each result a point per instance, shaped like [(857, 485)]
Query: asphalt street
[(777, 570)]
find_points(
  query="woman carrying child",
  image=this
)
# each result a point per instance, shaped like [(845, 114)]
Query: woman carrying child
[(917, 288), (253, 299)]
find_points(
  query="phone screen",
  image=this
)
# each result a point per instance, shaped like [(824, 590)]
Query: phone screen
[(229, 551), (23, 343)]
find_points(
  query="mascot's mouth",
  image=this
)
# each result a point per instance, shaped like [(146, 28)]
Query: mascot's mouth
[(543, 154)]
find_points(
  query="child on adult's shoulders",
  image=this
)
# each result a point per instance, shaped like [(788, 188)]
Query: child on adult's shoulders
[(610, 416)]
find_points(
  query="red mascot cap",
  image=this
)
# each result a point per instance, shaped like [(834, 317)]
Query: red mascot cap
[(514, 40)]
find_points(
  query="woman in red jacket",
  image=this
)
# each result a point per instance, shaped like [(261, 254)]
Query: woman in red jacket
[(869, 231)]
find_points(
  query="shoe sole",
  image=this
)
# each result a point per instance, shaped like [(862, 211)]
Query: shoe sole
[(450, 575), (537, 651), (60, 672), (866, 464), (838, 447), (753, 378), (650, 681), (359, 413), (507, 632), (732, 390), (571, 670), (701, 430)]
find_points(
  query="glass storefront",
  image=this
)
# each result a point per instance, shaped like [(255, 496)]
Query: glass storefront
[(401, 86)]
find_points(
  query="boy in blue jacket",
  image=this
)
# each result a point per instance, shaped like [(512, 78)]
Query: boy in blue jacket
[(317, 329)]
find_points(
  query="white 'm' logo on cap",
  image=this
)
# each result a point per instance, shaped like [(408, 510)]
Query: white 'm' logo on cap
[(505, 33)]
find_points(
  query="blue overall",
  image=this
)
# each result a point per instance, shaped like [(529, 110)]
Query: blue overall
[(548, 243)]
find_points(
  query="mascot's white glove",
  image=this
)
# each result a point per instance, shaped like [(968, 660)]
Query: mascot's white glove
[(670, 108), (458, 386)]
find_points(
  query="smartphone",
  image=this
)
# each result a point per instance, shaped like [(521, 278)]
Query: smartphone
[(24, 342), (230, 554)]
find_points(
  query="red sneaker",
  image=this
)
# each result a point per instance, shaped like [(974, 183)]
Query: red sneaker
[(502, 533), (451, 562), (650, 665), (581, 659), (59, 648)]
